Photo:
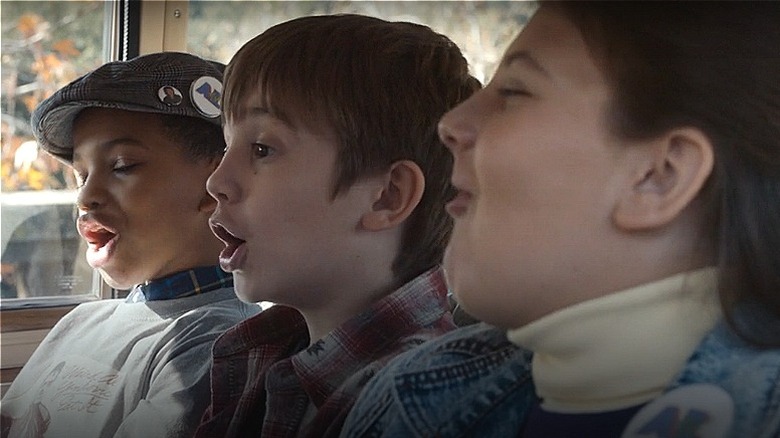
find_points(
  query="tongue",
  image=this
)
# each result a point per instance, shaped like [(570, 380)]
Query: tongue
[(98, 239), (232, 257), (99, 252)]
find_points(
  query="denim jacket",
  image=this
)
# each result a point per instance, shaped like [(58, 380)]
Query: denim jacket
[(474, 382)]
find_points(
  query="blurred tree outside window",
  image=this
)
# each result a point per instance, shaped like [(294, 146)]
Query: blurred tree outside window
[(482, 29), (45, 45)]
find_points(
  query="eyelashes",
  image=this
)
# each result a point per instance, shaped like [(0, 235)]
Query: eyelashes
[(119, 167), (514, 92), (257, 150), (261, 150), (124, 169)]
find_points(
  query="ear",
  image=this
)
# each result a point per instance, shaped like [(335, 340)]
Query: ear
[(401, 191), (207, 203), (668, 179)]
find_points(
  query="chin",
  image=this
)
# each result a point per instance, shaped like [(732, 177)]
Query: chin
[(475, 300), (244, 289), (115, 282)]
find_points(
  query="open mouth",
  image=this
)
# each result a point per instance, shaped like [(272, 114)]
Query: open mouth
[(231, 258), (101, 240), (97, 236), (459, 204)]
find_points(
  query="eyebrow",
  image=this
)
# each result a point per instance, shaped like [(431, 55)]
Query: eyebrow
[(258, 111), (263, 111), (124, 141), (523, 57)]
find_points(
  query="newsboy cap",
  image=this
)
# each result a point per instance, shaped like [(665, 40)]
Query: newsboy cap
[(163, 83)]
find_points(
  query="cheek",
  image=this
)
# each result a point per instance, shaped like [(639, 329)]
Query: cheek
[(172, 209), (182, 199), (288, 207), (503, 167), (283, 216)]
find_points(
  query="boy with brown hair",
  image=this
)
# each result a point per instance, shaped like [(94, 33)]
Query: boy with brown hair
[(137, 367), (330, 203)]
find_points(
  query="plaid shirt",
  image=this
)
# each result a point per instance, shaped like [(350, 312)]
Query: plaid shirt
[(264, 377), (182, 284)]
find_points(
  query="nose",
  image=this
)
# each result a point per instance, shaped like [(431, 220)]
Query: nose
[(221, 183), (458, 127), (91, 195)]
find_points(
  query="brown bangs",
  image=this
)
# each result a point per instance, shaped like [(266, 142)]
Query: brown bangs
[(286, 71)]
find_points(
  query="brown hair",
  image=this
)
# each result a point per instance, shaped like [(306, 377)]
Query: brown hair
[(714, 66), (382, 87)]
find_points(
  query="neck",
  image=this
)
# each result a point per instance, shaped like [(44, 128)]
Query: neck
[(622, 349)]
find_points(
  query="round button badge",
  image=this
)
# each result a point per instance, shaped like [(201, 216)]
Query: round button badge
[(206, 93), (700, 411), (169, 95)]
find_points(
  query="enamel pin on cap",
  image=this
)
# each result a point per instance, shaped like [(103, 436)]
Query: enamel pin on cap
[(206, 93), (692, 411), (169, 95)]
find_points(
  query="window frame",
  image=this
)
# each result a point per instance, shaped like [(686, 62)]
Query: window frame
[(122, 30), (23, 325)]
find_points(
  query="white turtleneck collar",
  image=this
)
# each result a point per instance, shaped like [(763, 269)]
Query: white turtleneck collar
[(622, 349)]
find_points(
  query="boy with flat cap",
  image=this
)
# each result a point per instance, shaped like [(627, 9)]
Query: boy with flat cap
[(142, 137)]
